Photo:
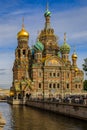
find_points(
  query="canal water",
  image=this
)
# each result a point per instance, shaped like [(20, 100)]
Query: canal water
[(25, 118)]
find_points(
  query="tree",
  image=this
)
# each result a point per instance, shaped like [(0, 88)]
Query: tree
[(85, 66), (85, 85)]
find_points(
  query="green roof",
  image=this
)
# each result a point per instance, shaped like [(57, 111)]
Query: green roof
[(39, 46), (47, 13), (65, 48)]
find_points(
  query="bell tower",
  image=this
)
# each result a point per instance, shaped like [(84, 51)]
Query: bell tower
[(47, 36), (22, 54)]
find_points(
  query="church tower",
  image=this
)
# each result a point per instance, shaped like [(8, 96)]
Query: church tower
[(47, 37), (22, 53)]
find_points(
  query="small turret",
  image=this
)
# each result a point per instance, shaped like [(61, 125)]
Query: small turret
[(23, 33), (65, 49), (74, 58), (47, 15)]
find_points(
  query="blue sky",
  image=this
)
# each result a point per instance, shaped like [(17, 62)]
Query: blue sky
[(68, 16)]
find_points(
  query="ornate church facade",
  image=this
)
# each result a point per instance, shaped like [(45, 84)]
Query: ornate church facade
[(45, 71)]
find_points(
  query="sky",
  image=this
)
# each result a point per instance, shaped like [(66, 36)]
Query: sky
[(67, 16)]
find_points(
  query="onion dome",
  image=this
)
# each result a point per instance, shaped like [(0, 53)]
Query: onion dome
[(11, 93), (47, 13), (39, 46), (74, 56), (65, 48), (23, 32), (76, 69)]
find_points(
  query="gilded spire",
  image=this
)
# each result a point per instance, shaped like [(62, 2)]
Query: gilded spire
[(23, 32)]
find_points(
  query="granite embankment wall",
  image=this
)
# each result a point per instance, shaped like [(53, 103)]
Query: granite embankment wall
[(71, 110)]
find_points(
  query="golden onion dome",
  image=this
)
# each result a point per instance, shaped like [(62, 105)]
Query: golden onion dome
[(76, 69), (74, 56), (11, 93), (23, 33)]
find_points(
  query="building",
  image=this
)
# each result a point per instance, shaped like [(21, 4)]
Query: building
[(4, 92), (45, 71)]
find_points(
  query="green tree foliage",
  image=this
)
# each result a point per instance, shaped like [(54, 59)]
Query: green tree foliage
[(85, 66), (85, 85)]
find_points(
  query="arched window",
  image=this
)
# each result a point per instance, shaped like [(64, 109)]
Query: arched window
[(54, 74), (76, 85), (50, 85), (58, 85), (57, 74), (50, 74), (39, 85), (54, 85), (24, 53), (19, 54), (67, 85)]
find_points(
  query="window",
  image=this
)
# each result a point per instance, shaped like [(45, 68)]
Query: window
[(50, 85), (58, 85), (54, 85), (24, 53), (39, 85), (50, 74), (67, 85), (76, 85), (39, 74), (54, 74), (18, 53), (57, 74)]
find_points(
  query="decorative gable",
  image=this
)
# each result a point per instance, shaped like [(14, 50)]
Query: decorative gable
[(54, 61)]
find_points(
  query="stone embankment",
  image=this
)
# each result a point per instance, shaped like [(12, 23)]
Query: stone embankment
[(2, 122), (71, 110)]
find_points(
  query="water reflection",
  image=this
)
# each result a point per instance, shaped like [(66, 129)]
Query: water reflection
[(25, 118)]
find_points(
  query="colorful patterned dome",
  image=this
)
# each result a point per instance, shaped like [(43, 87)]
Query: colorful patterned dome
[(47, 13), (65, 48), (39, 46)]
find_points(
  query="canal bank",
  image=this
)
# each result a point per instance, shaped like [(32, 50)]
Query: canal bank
[(68, 109), (71, 110)]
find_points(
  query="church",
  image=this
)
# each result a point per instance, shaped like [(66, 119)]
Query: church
[(45, 70)]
